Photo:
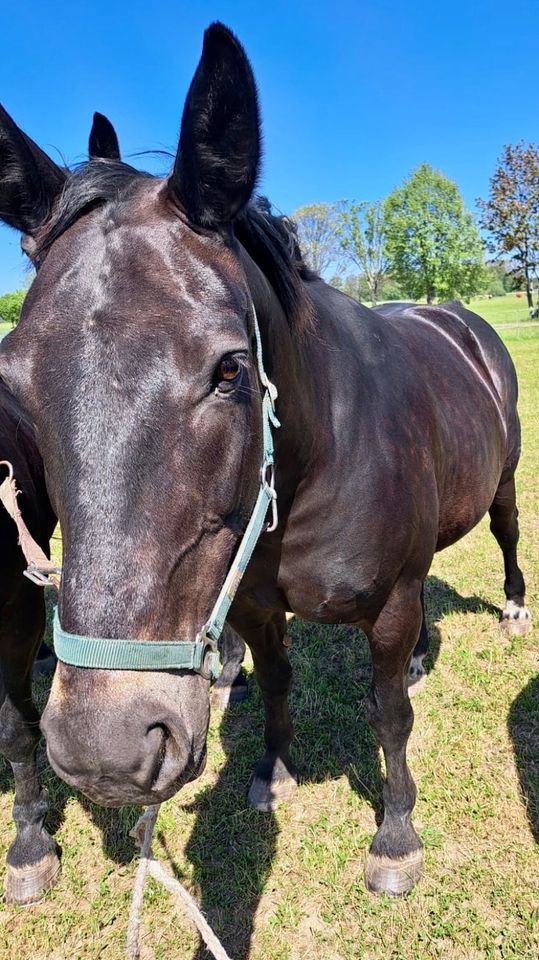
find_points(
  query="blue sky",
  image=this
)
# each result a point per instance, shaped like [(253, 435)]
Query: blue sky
[(353, 94)]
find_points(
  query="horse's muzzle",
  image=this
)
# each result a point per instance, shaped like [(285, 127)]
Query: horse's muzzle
[(138, 751)]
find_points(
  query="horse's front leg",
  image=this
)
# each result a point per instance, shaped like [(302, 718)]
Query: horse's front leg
[(231, 687), (32, 859), (274, 778), (395, 861)]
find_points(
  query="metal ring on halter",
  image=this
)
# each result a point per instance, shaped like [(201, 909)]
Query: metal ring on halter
[(270, 486), (209, 658), (9, 465), (41, 579)]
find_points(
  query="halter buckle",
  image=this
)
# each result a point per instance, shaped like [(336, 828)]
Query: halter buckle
[(40, 578)]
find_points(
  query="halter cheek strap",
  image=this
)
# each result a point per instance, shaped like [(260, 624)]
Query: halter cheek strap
[(199, 655)]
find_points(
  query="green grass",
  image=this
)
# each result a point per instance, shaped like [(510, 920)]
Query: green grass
[(4, 328), (499, 311), (288, 886), (502, 310)]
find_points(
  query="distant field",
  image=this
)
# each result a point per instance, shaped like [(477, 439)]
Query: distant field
[(501, 310), (288, 885)]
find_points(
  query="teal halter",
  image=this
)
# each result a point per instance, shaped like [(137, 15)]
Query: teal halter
[(201, 654)]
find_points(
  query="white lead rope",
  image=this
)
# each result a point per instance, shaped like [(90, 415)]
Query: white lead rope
[(142, 833)]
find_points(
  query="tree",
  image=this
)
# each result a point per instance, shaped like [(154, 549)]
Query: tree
[(433, 246), (10, 306), (354, 286), (360, 229), (316, 226), (494, 280), (511, 214), (357, 287)]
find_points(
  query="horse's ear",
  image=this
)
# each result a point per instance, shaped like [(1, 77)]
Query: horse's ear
[(219, 150), (29, 180), (103, 143)]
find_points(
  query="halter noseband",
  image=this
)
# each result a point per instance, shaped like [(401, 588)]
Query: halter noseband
[(200, 655)]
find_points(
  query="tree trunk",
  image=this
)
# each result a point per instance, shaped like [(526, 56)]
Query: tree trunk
[(430, 295), (528, 288)]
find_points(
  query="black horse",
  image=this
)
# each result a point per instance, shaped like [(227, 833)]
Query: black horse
[(22, 618), (135, 359)]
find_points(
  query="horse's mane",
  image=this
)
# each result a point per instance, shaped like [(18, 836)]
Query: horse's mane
[(270, 240)]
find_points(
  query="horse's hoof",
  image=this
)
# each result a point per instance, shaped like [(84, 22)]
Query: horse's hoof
[(26, 885), (266, 796), (516, 620), (393, 877), (417, 676)]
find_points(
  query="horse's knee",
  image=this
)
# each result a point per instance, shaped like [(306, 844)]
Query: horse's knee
[(391, 718), (19, 734)]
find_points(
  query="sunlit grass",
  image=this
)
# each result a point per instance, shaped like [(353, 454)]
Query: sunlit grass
[(502, 310)]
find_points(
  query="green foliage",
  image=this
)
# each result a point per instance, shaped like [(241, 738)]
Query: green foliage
[(511, 214), (495, 281), (433, 246), (316, 225), (357, 287), (360, 229), (391, 289), (10, 307), (354, 286)]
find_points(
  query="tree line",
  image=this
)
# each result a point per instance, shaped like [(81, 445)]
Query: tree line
[(421, 242)]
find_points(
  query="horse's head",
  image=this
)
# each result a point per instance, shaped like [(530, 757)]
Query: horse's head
[(135, 358)]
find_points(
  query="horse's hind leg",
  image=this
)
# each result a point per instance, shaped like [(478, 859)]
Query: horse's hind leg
[(416, 670), (32, 860), (504, 525), (395, 860), (231, 686)]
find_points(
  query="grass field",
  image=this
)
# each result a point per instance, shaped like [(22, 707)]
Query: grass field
[(502, 310), (288, 886)]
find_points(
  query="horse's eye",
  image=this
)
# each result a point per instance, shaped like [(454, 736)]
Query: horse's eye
[(228, 370)]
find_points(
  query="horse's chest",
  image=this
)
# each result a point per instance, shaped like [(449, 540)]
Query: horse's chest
[(331, 575)]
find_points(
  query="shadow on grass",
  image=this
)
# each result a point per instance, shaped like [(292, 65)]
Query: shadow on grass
[(441, 599), (523, 725), (232, 847)]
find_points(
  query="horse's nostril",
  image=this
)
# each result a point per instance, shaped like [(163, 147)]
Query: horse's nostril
[(156, 740)]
